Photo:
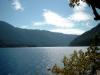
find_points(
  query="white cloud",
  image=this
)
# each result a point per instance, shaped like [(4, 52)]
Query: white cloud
[(69, 31), (67, 24), (39, 23), (64, 24), (80, 17), (79, 14), (53, 18), (17, 5)]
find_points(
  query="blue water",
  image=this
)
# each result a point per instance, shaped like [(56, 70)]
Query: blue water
[(32, 60)]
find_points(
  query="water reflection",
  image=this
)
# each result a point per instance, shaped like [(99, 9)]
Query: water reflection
[(29, 61)]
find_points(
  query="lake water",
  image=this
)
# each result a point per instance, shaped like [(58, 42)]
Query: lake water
[(32, 60)]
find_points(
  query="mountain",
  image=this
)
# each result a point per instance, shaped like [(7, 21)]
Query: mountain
[(11, 36), (85, 38)]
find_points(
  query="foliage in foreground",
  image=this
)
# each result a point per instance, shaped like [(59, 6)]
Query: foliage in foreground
[(80, 63)]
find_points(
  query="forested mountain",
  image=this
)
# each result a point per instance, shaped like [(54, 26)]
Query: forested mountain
[(11, 36), (85, 38)]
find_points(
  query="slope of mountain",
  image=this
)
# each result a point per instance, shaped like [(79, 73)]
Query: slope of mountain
[(85, 38), (13, 36)]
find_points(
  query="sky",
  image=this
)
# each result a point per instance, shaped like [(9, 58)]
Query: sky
[(50, 15)]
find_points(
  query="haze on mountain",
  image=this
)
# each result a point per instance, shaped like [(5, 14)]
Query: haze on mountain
[(11, 36)]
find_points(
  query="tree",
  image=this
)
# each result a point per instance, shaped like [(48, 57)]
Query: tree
[(66, 66), (75, 60), (81, 63), (93, 3), (94, 54)]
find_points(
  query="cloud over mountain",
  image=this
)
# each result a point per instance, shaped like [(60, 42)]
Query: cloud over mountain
[(17, 5)]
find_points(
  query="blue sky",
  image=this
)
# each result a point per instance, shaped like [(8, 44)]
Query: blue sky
[(51, 15)]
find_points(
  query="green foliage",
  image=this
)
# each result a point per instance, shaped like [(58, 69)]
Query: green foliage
[(74, 3), (80, 63)]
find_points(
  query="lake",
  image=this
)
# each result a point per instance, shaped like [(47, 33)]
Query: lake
[(32, 60)]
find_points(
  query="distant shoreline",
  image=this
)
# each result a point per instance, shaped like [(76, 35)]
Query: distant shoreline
[(40, 46)]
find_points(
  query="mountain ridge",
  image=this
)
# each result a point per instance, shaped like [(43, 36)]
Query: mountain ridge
[(11, 36), (85, 38)]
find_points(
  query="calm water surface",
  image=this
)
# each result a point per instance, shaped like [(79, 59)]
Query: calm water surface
[(32, 60)]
